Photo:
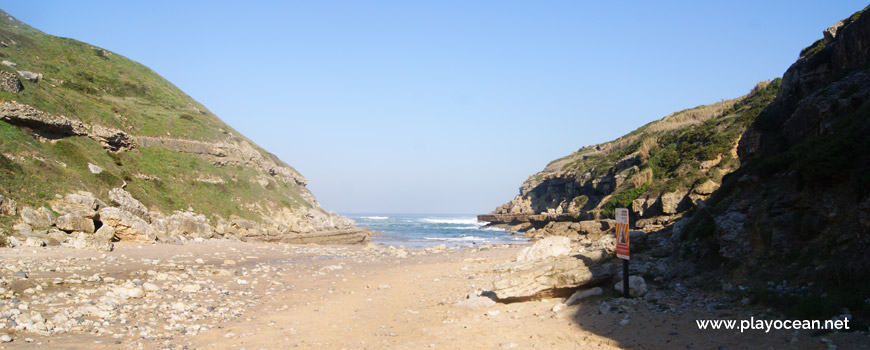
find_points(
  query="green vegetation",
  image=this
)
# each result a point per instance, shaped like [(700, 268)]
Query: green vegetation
[(622, 199), (97, 86), (675, 148)]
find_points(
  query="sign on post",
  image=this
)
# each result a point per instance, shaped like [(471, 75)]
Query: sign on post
[(622, 243)]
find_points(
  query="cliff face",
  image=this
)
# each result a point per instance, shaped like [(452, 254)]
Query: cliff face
[(80, 123), (658, 171), (798, 208)]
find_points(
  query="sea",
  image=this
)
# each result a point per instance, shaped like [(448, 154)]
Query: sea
[(426, 230)]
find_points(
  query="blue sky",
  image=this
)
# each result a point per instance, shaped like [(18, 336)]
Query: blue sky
[(442, 106)]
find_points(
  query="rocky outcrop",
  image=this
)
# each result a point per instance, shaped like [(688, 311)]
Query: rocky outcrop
[(127, 226), (82, 214), (799, 192), (645, 171), (45, 124), (40, 217), (10, 82), (546, 248), (522, 280), (112, 139), (31, 76), (240, 153), (127, 203)]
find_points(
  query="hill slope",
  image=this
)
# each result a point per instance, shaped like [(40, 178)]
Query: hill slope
[(659, 170), (798, 208), (769, 192), (75, 117)]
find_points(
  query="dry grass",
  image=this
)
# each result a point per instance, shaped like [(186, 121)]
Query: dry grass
[(641, 178)]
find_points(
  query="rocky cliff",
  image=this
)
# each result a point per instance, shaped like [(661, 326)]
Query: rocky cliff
[(96, 147), (797, 212), (658, 171)]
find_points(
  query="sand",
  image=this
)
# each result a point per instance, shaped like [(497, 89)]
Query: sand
[(234, 295)]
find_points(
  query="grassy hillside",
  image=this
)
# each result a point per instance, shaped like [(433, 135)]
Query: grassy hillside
[(99, 87), (675, 154)]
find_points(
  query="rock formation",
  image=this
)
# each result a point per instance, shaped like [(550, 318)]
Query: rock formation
[(800, 200)]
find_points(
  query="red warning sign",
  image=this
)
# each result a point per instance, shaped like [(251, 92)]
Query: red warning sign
[(622, 243)]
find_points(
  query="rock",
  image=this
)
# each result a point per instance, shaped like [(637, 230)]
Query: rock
[(706, 188), (72, 222), (127, 227), (191, 288), (82, 204), (558, 307), (183, 224), (475, 303), (671, 202), (10, 82), (5, 338), (22, 227), (112, 139), (583, 294), (10, 64), (8, 206), (129, 204), (636, 286), (101, 240), (729, 233), (592, 227), (44, 123), (34, 77), (94, 169), (829, 33), (150, 287), (545, 248), (129, 292), (41, 217), (527, 279)]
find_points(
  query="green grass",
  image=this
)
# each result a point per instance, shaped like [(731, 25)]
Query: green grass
[(98, 86), (676, 146)]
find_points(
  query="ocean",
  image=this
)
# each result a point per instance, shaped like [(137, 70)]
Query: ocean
[(422, 230)]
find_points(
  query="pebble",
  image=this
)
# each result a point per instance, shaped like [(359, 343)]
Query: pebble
[(5, 338)]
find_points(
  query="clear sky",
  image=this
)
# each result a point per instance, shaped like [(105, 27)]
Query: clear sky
[(442, 106)]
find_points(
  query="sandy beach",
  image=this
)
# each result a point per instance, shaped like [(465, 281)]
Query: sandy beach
[(235, 295)]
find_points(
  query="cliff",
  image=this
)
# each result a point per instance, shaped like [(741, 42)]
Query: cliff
[(90, 137), (658, 171), (798, 208)]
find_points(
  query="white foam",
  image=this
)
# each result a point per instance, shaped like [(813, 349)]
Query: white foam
[(470, 221), (453, 239), (375, 217)]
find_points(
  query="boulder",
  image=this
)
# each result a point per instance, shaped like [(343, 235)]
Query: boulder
[(636, 286), (545, 248), (94, 169), (92, 241), (33, 77), (72, 222), (41, 217), (528, 279), (592, 227), (112, 139), (671, 202), (22, 227), (129, 204), (183, 224), (10, 82), (82, 204), (127, 227)]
